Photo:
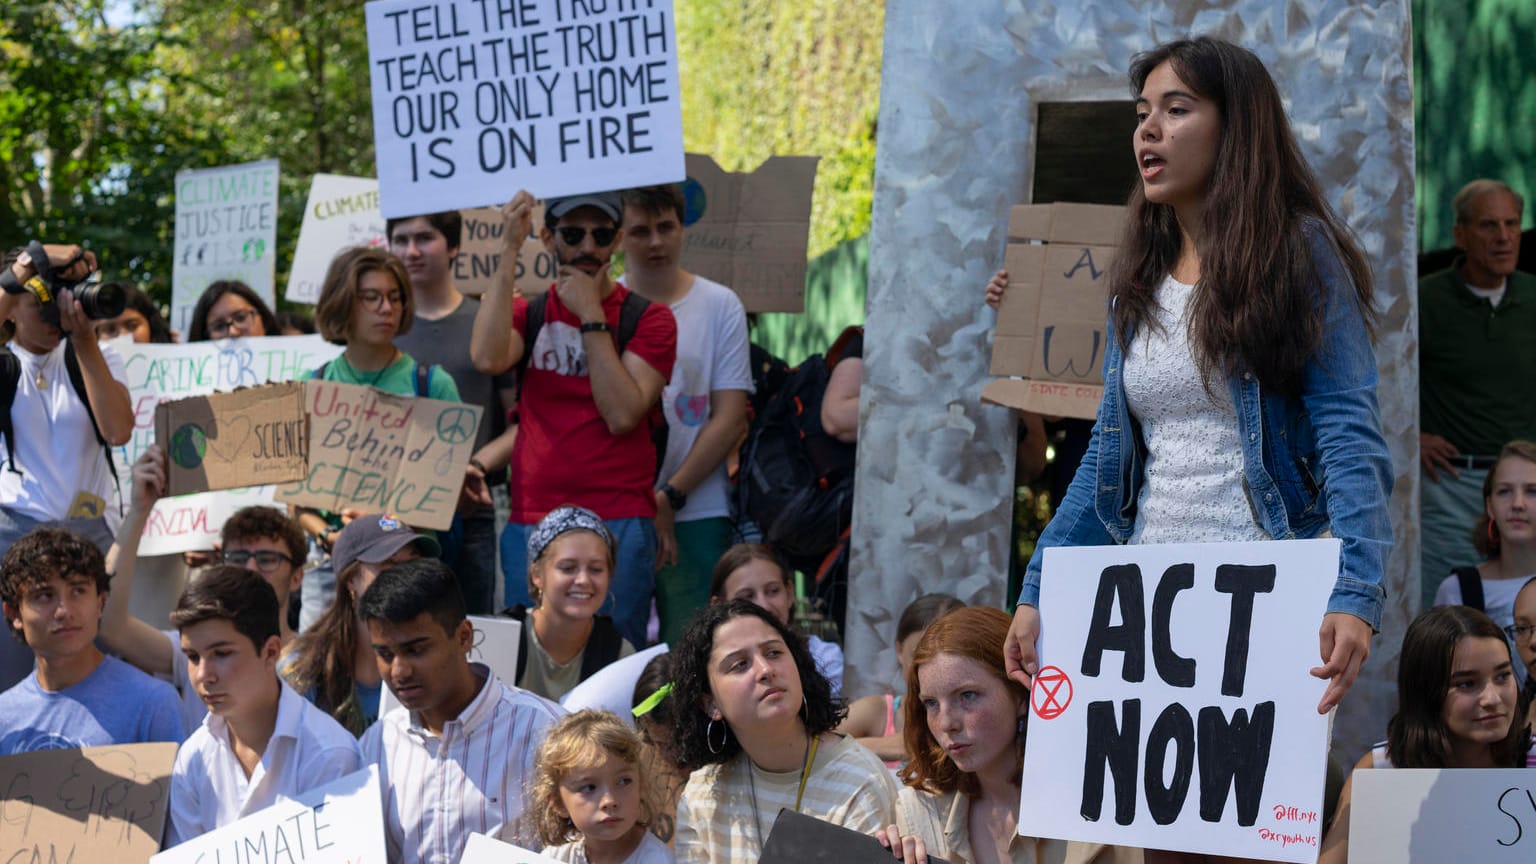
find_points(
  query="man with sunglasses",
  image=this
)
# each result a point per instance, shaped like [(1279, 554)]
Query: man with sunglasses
[(259, 538), (595, 362)]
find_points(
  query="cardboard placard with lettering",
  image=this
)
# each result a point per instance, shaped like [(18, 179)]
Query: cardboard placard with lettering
[(1050, 326), (750, 231), (474, 100), (341, 212), (252, 437), (474, 271), (375, 451), (341, 822), (1427, 815), (158, 373), (1174, 707), (226, 228), (90, 804)]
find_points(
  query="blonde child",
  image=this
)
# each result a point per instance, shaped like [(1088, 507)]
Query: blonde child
[(590, 801)]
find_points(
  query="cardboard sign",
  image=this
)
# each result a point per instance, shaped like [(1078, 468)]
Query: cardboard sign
[(341, 822), (1422, 816), (474, 100), (91, 804), (341, 212), (379, 452), (481, 849), (750, 231), (252, 437), (159, 373), (498, 641), (226, 228), (612, 688), (1050, 327), (479, 261), (1174, 708)]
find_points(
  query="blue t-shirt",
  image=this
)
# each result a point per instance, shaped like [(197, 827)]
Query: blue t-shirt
[(115, 704)]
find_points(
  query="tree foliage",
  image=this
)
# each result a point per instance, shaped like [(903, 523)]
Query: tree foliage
[(103, 101)]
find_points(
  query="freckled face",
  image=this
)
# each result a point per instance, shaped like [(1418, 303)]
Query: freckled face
[(969, 710)]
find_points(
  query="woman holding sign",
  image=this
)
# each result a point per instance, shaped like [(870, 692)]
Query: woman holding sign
[(965, 730), (365, 302), (1239, 379), (1458, 707)]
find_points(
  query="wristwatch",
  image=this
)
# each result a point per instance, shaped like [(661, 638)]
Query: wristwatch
[(677, 499)]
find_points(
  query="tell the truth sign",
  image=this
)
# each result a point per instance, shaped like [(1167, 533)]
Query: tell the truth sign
[(1174, 708)]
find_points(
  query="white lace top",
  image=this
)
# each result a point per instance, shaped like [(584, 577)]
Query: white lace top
[(1192, 488)]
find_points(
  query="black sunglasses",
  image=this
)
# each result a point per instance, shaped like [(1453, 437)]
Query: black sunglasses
[(574, 234)]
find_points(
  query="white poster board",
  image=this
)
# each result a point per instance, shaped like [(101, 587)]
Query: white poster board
[(473, 100), (1422, 816), (341, 212), (158, 373), (226, 228), (497, 643), (482, 849), (612, 688), (1164, 668), (341, 822)]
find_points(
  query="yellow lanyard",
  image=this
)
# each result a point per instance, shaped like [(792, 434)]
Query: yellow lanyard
[(805, 773)]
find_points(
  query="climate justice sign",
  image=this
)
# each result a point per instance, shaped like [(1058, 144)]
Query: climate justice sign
[(473, 99), (1174, 707)]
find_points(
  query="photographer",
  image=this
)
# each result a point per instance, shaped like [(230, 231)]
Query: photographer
[(55, 466)]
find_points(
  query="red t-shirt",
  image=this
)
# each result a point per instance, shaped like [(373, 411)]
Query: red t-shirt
[(564, 452)]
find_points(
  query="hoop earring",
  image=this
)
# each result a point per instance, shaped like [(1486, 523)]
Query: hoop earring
[(709, 737)]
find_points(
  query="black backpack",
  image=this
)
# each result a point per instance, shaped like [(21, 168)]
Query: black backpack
[(603, 644), (1471, 583), (796, 481), (10, 377), (630, 312)]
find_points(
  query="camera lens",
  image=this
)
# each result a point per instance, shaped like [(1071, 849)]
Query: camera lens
[(101, 301)]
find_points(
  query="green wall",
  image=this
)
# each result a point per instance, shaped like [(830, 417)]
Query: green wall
[(1474, 70)]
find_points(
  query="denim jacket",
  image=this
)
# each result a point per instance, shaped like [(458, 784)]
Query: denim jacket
[(1312, 466)]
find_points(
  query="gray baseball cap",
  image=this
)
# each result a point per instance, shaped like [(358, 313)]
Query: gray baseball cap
[(372, 539), (610, 203)]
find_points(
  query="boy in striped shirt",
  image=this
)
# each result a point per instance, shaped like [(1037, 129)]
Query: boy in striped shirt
[(453, 758)]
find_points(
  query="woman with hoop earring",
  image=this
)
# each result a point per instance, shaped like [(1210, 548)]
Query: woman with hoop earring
[(760, 724)]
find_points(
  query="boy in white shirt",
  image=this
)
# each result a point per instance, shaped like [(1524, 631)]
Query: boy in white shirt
[(260, 740), (454, 758)]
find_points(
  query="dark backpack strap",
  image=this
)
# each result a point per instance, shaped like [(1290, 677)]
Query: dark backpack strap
[(423, 380), (77, 380), (10, 376), (603, 646), (320, 373), (630, 313), (1471, 587), (533, 322)]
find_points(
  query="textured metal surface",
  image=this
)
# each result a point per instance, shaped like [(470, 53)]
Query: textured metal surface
[(955, 149)]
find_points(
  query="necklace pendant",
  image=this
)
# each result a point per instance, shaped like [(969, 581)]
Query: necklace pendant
[(40, 380)]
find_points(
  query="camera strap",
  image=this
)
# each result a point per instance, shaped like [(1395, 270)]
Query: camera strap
[(10, 377)]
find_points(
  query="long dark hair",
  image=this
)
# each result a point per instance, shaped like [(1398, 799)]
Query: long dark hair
[(690, 671), (322, 657), (138, 301), (1257, 307), (1416, 735)]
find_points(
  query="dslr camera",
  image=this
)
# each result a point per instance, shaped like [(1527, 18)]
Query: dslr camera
[(97, 300)]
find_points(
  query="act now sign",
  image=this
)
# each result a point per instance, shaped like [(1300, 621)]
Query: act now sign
[(1174, 707)]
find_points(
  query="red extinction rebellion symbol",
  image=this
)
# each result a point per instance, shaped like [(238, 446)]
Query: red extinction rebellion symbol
[(1052, 693)]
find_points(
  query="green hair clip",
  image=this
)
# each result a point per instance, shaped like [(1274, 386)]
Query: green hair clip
[(652, 700)]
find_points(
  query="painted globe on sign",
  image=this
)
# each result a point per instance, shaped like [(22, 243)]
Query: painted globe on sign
[(695, 202), (189, 444)]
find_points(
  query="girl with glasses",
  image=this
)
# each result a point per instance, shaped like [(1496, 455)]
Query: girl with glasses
[(228, 310), (365, 302)]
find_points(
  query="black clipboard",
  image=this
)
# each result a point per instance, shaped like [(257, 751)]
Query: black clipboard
[(800, 839)]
